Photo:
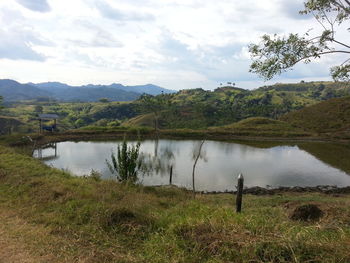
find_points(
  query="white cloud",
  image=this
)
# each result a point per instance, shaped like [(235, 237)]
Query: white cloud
[(176, 43)]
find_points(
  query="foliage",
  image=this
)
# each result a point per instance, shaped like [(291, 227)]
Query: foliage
[(154, 104), (198, 108), (113, 111), (276, 54), (8, 124), (127, 163), (104, 100), (79, 123), (38, 109), (1, 99)]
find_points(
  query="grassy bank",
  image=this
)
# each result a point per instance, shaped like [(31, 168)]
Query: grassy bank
[(49, 216), (249, 129)]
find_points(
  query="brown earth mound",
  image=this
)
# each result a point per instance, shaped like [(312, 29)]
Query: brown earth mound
[(308, 212)]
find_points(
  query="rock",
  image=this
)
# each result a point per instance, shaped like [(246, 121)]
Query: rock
[(256, 190), (308, 212)]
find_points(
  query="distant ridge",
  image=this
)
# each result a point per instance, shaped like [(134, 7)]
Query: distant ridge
[(14, 91), (148, 88)]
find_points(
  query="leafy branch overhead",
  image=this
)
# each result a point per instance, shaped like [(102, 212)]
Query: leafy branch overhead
[(276, 54)]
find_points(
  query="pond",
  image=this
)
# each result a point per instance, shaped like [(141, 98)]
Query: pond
[(262, 164)]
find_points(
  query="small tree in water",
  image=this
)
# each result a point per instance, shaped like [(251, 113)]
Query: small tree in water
[(127, 163)]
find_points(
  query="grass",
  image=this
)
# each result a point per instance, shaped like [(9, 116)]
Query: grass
[(260, 126), (331, 116), (49, 216), (145, 120)]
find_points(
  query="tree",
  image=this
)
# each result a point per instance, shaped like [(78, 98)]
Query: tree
[(38, 109), (79, 122), (197, 153), (276, 54), (1, 98), (104, 100), (155, 104)]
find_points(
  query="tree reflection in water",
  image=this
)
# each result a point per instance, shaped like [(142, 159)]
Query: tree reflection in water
[(160, 162)]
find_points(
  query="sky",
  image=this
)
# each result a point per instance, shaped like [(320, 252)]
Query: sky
[(176, 44)]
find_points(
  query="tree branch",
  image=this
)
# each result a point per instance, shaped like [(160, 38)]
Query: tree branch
[(348, 2), (340, 43), (319, 54), (334, 2)]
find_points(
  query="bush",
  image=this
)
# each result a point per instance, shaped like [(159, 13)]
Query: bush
[(127, 162)]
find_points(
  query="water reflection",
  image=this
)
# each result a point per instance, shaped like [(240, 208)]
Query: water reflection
[(48, 155), (217, 170), (158, 164)]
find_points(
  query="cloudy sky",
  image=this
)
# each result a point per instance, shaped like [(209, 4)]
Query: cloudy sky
[(176, 44)]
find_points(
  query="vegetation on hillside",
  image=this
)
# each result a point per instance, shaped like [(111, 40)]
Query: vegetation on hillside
[(71, 115), (260, 126), (9, 125), (198, 108), (187, 109), (331, 116)]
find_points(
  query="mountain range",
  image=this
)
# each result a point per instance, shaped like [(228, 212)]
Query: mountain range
[(14, 91)]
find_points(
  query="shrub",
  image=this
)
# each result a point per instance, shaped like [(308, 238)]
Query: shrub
[(127, 163)]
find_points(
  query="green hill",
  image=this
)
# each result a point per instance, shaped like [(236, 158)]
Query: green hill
[(190, 108), (331, 116), (259, 126), (145, 120), (198, 108)]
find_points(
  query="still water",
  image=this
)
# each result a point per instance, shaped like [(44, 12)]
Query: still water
[(217, 168)]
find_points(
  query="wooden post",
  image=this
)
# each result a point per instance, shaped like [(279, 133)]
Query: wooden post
[(171, 175), (239, 193)]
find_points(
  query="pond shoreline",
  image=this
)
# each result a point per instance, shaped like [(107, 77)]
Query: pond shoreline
[(80, 135), (325, 189), (257, 190)]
